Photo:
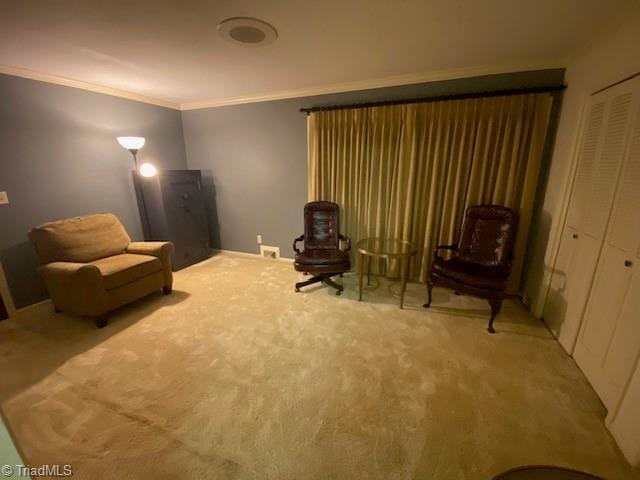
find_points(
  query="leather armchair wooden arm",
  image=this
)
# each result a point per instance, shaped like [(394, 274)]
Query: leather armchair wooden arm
[(347, 240), (452, 248)]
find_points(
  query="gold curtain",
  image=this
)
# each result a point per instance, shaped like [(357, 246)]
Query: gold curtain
[(410, 171)]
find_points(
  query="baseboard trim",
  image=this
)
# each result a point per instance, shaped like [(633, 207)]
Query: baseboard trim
[(12, 310), (47, 302), (251, 255)]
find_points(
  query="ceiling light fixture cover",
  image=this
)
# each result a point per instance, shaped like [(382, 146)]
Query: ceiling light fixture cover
[(247, 31)]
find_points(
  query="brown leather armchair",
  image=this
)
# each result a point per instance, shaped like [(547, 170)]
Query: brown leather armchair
[(322, 255), (481, 263)]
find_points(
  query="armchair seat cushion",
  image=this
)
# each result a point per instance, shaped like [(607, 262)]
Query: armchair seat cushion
[(322, 256), (119, 270), (473, 274)]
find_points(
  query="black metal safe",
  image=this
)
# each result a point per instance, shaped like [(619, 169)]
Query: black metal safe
[(172, 207)]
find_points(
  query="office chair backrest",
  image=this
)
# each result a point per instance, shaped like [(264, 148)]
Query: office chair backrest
[(321, 225)]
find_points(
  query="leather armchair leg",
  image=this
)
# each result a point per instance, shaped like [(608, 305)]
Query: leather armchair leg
[(100, 321), (496, 306), (429, 289)]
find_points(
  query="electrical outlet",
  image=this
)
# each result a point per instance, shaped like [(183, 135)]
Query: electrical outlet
[(4, 198), (259, 237)]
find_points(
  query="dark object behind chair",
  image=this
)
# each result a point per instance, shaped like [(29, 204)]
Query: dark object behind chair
[(322, 256), (481, 262), (543, 472)]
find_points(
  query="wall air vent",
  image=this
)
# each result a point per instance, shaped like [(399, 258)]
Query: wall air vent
[(271, 253)]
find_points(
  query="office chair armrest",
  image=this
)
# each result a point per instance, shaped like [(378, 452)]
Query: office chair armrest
[(453, 248), (347, 240), (299, 239)]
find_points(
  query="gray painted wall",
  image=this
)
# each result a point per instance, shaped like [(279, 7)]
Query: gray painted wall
[(254, 156), (59, 158)]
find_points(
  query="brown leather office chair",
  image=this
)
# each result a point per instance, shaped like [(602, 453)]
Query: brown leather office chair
[(322, 256), (481, 262)]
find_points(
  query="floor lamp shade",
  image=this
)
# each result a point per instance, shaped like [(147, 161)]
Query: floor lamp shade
[(131, 143)]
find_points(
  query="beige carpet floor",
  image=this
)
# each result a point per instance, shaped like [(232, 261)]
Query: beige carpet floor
[(235, 376)]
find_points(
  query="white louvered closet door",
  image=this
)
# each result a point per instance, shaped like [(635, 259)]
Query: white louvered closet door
[(609, 340), (573, 271)]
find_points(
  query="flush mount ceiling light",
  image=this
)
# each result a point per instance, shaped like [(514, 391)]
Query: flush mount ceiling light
[(247, 31)]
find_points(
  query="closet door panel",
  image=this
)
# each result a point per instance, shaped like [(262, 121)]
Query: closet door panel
[(608, 166), (624, 231), (594, 188), (624, 237), (608, 294), (609, 341), (579, 278), (625, 344), (570, 278), (579, 203)]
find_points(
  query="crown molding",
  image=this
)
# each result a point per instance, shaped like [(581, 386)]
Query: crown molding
[(91, 87), (394, 81)]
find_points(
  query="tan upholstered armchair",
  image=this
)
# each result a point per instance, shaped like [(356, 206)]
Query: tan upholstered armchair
[(90, 266)]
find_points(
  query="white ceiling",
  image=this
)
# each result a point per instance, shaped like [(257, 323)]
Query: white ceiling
[(170, 50)]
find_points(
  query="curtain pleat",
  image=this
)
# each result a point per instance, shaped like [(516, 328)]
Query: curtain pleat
[(410, 171)]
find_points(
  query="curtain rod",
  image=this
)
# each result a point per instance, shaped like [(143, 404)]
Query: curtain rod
[(461, 96)]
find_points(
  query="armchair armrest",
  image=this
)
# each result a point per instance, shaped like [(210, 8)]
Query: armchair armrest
[(75, 287), (68, 270), (452, 248), (296, 240), (155, 249), (161, 250), (347, 240)]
